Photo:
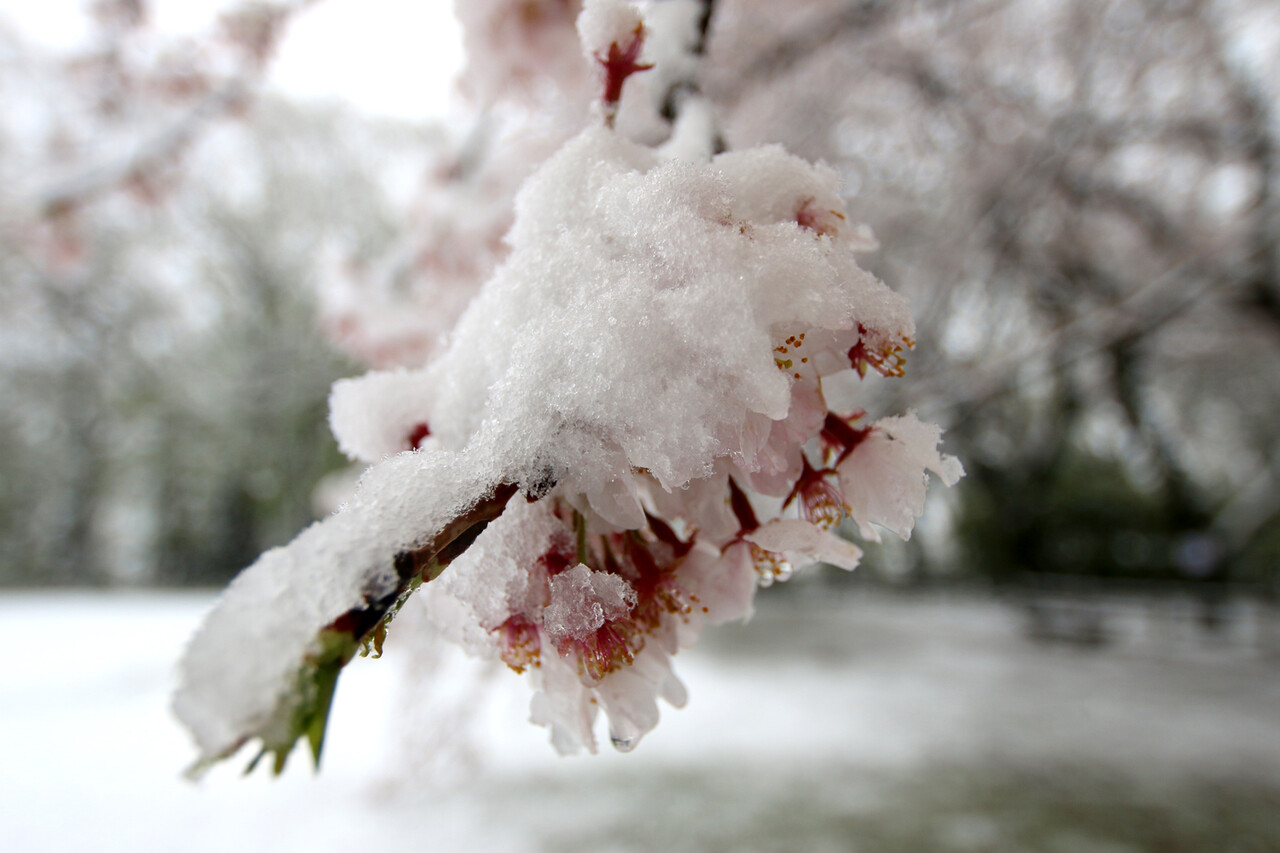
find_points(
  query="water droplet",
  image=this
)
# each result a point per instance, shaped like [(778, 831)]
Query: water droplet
[(623, 744)]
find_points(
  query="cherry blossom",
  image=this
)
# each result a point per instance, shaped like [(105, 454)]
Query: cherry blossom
[(624, 437)]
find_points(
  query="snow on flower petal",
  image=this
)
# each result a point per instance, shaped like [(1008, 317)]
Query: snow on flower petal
[(375, 416), (582, 600)]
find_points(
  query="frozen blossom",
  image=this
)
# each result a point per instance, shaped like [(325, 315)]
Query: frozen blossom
[(884, 477), (582, 600), (637, 325), (624, 436)]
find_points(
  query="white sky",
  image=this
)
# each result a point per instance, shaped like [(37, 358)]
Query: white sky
[(392, 58)]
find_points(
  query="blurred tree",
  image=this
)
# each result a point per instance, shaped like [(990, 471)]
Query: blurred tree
[(1081, 200), (163, 372), (1079, 197)]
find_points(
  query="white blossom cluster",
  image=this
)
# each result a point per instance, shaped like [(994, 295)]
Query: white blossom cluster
[(517, 48), (647, 369)]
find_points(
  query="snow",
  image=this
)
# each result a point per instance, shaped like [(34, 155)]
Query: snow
[(604, 23), (814, 709), (635, 314), (582, 600), (238, 674), (673, 43)]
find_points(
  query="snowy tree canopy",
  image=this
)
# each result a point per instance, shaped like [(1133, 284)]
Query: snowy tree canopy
[(622, 438)]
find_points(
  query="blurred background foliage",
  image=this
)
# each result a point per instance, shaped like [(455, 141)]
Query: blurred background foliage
[(1080, 198), (167, 392)]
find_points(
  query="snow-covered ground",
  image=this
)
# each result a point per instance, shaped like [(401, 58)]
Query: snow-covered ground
[(870, 723)]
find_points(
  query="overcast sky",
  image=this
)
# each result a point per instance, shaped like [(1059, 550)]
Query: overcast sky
[(384, 57)]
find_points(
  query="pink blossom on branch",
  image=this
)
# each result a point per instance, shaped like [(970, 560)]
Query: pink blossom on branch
[(616, 448), (519, 49)]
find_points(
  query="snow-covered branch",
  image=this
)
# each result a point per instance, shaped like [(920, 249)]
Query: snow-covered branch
[(646, 369)]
